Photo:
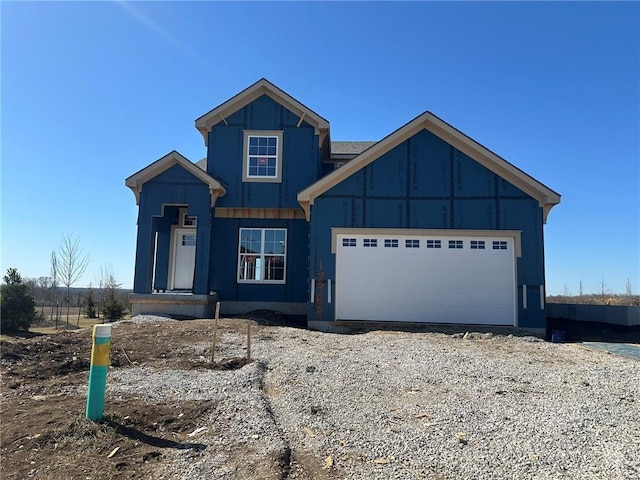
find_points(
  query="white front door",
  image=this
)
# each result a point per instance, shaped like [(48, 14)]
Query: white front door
[(184, 258)]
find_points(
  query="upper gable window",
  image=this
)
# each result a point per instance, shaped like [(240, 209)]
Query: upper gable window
[(262, 160)]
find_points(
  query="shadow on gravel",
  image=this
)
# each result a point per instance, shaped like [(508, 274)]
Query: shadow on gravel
[(273, 318), (358, 328), (231, 363), (137, 435)]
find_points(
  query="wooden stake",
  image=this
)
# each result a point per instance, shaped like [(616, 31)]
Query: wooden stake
[(248, 341), (215, 332)]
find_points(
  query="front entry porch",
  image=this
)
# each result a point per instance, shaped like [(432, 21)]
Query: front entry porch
[(175, 199), (177, 246)]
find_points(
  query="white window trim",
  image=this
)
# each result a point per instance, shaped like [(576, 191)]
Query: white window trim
[(184, 221), (262, 256), (245, 156)]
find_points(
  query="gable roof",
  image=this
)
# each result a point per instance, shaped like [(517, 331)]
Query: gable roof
[(138, 179), (546, 197), (248, 95)]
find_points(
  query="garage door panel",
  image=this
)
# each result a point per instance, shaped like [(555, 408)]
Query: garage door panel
[(443, 285)]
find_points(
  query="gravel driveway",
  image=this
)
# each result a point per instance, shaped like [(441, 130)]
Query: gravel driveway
[(397, 405)]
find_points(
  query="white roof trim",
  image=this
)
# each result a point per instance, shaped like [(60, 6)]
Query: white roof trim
[(138, 179), (546, 197), (205, 123)]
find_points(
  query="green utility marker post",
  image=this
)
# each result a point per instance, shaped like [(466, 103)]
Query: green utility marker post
[(98, 372)]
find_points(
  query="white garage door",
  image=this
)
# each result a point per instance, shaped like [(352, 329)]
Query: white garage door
[(437, 279)]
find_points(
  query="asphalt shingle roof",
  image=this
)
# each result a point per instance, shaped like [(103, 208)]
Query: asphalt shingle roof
[(352, 148)]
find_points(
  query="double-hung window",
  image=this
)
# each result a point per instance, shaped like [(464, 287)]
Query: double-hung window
[(262, 255), (262, 160)]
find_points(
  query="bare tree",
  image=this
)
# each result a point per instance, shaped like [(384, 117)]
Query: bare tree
[(580, 292), (566, 291), (113, 308), (629, 291), (71, 264), (43, 292), (603, 290), (54, 284), (107, 278)]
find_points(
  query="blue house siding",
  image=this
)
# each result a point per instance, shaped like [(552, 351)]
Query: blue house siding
[(163, 228), (301, 156), (224, 262), (425, 183), (174, 186), (421, 183)]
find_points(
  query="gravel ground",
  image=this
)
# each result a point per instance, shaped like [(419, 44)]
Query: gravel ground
[(396, 405)]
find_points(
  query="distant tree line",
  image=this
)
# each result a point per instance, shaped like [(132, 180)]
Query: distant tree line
[(31, 300), (602, 296)]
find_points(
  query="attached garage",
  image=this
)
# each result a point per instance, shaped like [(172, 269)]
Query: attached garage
[(427, 226), (466, 277)]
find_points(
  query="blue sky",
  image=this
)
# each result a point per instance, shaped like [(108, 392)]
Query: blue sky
[(92, 92)]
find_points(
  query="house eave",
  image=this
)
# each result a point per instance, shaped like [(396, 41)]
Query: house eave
[(205, 123), (546, 197), (136, 181)]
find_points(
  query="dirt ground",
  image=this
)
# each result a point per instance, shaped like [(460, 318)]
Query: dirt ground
[(43, 395), (43, 391)]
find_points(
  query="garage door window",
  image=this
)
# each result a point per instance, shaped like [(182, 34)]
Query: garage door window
[(434, 244), (349, 242), (477, 244), (412, 243), (370, 242), (455, 243), (499, 245), (390, 243), (262, 255)]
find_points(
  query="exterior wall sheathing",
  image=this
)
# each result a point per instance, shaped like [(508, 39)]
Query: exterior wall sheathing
[(425, 183)]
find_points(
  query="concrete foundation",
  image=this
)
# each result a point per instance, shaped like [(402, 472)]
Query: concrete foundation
[(235, 308), (182, 304)]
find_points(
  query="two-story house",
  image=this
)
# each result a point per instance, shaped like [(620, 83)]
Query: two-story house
[(425, 225)]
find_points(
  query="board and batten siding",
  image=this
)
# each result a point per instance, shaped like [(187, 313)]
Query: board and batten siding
[(301, 156), (425, 183), (224, 262), (174, 186)]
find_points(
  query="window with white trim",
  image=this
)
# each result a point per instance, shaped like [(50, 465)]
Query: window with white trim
[(477, 244), (262, 255), (499, 245), (262, 156), (390, 243), (434, 243), (370, 242), (189, 220), (412, 243), (455, 243), (349, 242)]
